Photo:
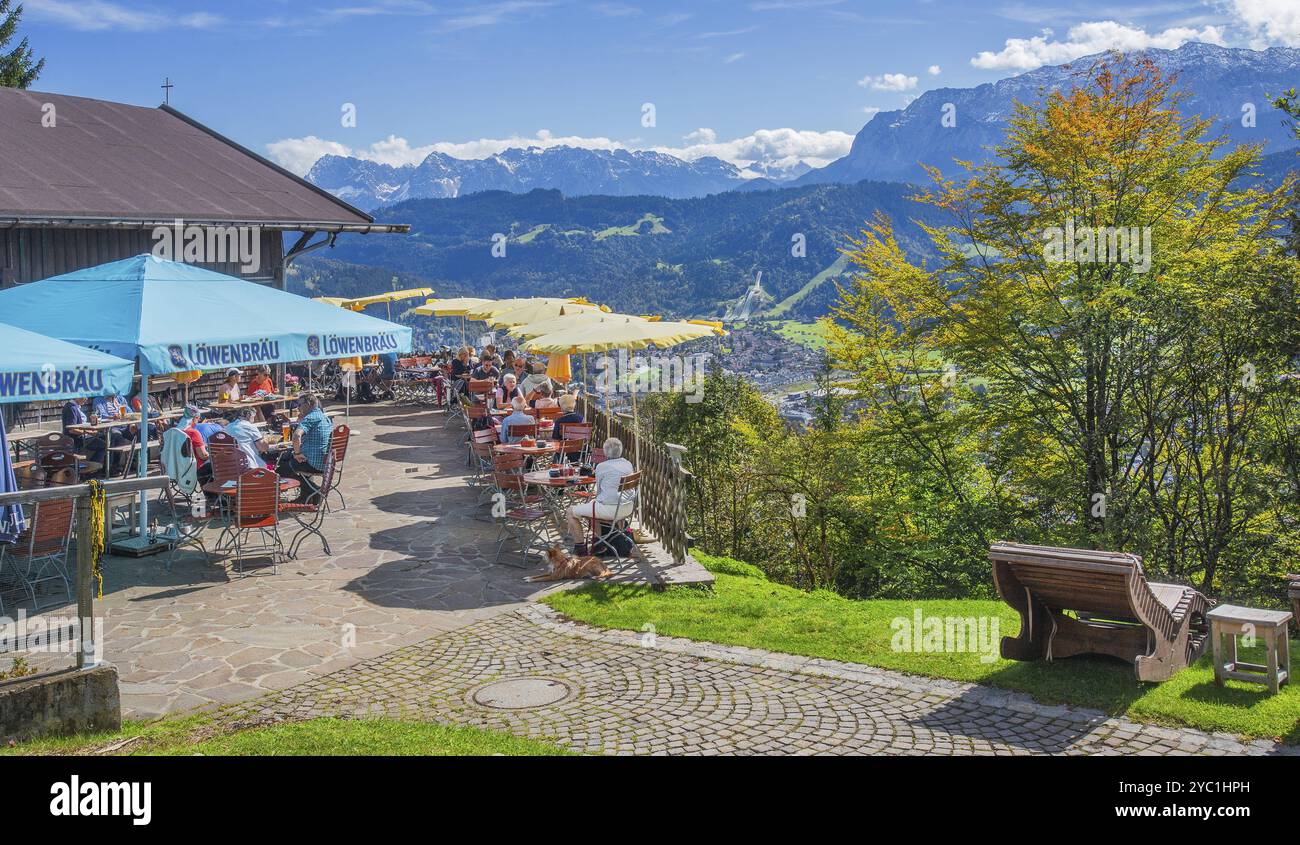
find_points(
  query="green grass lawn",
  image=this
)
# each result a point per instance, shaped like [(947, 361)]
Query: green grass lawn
[(340, 737), (811, 335), (746, 609)]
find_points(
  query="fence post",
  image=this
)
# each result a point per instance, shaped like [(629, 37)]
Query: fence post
[(85, 586)]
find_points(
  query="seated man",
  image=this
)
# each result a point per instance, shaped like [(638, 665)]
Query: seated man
[(568, 414), (608, 505), (487, 369), (188, 423), (94, 444), (250, 440), (518, 416), (311, 445), (568, 410)]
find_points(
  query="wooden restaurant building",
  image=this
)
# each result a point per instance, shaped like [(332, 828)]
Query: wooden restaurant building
[(84, 182)]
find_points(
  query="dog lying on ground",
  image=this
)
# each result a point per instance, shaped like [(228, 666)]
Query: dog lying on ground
[(562, 566)]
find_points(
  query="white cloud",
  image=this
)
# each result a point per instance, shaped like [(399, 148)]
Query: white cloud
[(933, 70), (734, 57), (492, 14), (870, 112), (889, 82), (1086, 39), (779, 148), (95, 15), (770, 147), (1270, 21)]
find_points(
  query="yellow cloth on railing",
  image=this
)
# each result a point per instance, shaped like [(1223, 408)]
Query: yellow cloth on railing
[(96, 538)]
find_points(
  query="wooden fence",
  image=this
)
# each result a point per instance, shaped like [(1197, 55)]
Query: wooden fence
[(665, 485)]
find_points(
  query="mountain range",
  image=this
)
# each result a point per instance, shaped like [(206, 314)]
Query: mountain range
[(572, 170), (1218, 83)]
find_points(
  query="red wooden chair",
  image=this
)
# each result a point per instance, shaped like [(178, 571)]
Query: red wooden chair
[(602, 530), (40, 554), (339, 438), (520, 521), (257, 508), (310, 516)]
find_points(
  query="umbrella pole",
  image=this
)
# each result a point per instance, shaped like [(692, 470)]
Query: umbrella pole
[(142, 457)]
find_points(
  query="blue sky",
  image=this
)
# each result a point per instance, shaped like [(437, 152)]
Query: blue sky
[(764, 79)]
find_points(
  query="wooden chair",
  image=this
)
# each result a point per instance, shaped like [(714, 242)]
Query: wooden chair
[(53, 442), (520, 521), (310, 516), (339, 438), (1160, 628), (602, 530), (40, 554), (518, 430), (61, 461), (578, 431), (257, 508)]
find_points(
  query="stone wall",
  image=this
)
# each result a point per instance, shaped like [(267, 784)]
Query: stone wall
[(73, 701)]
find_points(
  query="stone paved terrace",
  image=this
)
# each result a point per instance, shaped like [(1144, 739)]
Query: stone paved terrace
[(439, 627), (412, 557)]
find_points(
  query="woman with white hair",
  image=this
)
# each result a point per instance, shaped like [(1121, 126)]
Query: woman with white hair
[(609, 504)]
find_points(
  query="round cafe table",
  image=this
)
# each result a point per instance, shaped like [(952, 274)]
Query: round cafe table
[(551, 447), (557, 493)]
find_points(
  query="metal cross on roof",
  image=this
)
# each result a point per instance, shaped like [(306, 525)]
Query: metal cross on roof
[(167, 90)]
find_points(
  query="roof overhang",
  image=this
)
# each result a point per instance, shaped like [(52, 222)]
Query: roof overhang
[(65, 222)]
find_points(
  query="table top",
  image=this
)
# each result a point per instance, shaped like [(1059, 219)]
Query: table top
[(542, 478), (249, 403), (1253, 615), (550, 448), (83, 466), (216, 489), (31, 434)]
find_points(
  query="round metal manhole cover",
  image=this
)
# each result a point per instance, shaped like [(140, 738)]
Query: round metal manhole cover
[(521, 693)]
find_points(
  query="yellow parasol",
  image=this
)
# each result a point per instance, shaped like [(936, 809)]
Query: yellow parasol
[(449, 307), (559, 368), (631, 334), (570, 321), (501, 306), (538, 311), (360, 303)]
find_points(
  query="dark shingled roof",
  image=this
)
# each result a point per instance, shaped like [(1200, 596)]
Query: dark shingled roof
[(118, 162)]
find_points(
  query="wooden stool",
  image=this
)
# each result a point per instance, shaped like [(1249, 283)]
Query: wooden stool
[(1269, 626)]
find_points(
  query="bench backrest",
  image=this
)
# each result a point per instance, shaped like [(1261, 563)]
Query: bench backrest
[(1095, 582)]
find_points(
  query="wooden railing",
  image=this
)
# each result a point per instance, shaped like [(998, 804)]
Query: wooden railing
[(665, 484), (80, 494)]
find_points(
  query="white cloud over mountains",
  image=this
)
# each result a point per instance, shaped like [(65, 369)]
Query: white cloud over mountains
[(770, 148), (1086, 39), (889, 82), (1270, 21)]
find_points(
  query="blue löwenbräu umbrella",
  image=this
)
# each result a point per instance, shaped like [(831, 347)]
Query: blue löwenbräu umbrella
[(35, 368), (172, 317)]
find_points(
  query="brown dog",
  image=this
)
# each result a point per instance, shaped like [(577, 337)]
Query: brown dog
[(562, 566)]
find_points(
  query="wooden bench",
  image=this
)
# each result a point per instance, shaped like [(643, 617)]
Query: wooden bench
[(1112, 609)]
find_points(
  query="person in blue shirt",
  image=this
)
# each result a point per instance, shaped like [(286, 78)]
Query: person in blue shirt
[(311, 445), (517, 417)]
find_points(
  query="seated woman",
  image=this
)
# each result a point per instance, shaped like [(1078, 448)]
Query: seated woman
[(508, 391), (568, 406), (155, 410), (230, 391), (608, 505)]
